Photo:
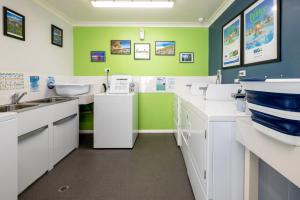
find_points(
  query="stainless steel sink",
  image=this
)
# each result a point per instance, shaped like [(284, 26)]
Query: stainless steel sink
[(50, 100), (16, 107)]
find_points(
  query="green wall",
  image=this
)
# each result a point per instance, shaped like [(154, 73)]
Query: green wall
[(155, 109), (87, 39)]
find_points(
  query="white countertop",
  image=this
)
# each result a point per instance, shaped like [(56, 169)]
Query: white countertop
[(214, 110), (7, 116), (86, 99)]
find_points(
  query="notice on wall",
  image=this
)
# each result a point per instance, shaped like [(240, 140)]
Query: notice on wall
[(11, 81), (34, 83), (161, 84)]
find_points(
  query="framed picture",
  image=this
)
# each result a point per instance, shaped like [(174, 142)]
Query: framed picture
[(142, 51), (57, 36), (232, 39), (13, 24), (98, 56), (186, 57), (262, 34), (165, 48), (120, 47)]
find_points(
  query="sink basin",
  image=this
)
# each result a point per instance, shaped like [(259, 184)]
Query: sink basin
[(15, 107), (71, 89), (50, 100)]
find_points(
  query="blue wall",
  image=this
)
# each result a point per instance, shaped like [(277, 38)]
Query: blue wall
[(272, 185), (289, 67)]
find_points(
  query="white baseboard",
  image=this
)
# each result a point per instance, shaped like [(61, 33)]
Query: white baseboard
[(156, 131), (86, 131), (140, 131)]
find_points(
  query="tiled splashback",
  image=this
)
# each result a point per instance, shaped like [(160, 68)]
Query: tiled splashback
[(11, 83)]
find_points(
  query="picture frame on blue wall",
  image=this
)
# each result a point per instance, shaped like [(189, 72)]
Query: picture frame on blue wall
[(262, 32), (232, 43)]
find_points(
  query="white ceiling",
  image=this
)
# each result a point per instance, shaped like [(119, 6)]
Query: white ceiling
[(184, 11)]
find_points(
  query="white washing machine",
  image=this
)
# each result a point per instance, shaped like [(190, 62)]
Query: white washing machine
[(116, 115)]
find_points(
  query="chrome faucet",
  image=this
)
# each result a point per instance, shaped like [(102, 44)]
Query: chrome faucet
[(204, 91), (16, 98)]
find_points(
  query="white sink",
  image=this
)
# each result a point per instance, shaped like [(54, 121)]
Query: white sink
[(72, 89)]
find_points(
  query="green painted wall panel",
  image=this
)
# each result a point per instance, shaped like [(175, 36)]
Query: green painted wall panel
[(87, 39), (156, 111)]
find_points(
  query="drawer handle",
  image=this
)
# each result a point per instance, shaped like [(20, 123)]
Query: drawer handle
[(32, 133), (64, 120)]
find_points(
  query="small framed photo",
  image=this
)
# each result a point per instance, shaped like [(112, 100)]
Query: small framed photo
[(120, 47), (165, 48), (98, 56), (57, 36), (186, 57), (142, 51), (13, 24)]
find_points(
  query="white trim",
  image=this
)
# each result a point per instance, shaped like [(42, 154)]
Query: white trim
[(156, 131), (141, 24), (53, 10), (224, 6)]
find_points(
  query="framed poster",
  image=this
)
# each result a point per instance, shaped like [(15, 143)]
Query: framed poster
[(120, 47), (142, 51), (165, 48), (262, 32), (231, 46), (57, 36), (97, 56), (186, 57), (13, 24)]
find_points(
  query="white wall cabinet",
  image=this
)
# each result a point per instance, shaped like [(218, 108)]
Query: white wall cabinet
[(32, 157), (214, 160)]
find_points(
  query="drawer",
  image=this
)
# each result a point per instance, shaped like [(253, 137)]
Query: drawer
[(66, 109), (34, 119)]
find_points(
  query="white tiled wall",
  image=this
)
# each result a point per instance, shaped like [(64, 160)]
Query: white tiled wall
[(146, 84)]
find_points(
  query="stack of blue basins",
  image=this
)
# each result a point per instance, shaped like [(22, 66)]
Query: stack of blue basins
[(275, 108)]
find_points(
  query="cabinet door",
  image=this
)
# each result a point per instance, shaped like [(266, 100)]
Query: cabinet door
[(198, 145), (65, 137), (32, 157)]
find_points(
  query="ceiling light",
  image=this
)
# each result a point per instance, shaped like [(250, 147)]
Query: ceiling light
[(132, 4)]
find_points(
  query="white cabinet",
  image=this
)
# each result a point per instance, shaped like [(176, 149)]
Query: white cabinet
[(8, 157), (45, 136), (32, 156), (65, 136), (213, 158)]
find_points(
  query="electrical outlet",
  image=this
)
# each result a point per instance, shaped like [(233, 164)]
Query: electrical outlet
[(242, 73)]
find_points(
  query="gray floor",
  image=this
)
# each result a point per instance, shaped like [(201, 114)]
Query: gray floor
[(153, 170)]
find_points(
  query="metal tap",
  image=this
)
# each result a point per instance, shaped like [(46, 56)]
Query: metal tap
[(16, 98)]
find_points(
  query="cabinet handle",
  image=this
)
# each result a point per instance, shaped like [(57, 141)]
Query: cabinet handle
[(35, 132), (64, 120)]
